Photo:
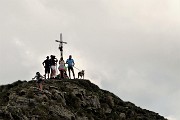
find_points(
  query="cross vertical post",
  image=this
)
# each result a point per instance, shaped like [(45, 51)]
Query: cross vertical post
[(61, 42)]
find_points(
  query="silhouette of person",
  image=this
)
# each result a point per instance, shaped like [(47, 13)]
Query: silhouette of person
[(71, 64), (46, 65), (53, 63)]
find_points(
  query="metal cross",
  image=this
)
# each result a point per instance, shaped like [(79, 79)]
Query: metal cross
[(61, 42)]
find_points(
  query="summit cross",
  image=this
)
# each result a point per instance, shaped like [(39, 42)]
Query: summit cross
[(61, 42)]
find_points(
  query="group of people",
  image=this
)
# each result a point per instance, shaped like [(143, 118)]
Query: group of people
[(51, 65)]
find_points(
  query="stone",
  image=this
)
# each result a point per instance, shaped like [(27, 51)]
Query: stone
[(66, 100), (53, 87), (95, 101), (122, 116)]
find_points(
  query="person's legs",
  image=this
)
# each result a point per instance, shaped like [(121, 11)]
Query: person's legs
[(62, 74), (73, 72), (65, 75), (45, 75), (40, 86), (48, 75), (69, 68), (53, 71), (48, 72), (51, 74)]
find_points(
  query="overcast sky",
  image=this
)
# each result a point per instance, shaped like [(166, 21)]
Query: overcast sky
[(128, 47)]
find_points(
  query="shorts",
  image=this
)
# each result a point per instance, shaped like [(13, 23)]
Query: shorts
[(61, 68), (47, 70), (39, 81), (70, 68), (53, 67)]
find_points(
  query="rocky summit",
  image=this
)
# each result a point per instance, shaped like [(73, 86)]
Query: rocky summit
[(66, 100)]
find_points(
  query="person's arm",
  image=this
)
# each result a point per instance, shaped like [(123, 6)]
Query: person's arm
[(67, 61), (43, 63), (34, 77), (73, 63), (42, 76), (56, 60)]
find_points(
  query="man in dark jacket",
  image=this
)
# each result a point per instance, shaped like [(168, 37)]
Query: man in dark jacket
[(46, 65)]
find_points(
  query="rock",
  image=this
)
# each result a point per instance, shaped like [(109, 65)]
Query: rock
[(57, 95), (108, 110), (34, 117), (66, 100), (22, 101), (95, 101), (47, 92), (110, 100), (122, 116), (82, 118), (53, 87), (22, 92), (61, 111)]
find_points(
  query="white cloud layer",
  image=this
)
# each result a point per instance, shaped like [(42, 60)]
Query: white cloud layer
[(128, 47)]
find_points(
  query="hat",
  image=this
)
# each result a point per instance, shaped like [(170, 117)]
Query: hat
[(37, 73)]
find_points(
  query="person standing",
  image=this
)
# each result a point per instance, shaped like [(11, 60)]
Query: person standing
[(46, 65), (61, 67), (53, 63), (71, 64)]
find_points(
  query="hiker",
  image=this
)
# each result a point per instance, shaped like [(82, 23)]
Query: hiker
[(53, 63), (71, 64), (46, 65), (39, 78), (61, 67)]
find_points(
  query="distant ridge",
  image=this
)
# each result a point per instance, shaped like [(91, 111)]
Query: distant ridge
[(66, 100)]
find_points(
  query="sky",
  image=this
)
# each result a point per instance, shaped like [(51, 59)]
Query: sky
[(128, 47)]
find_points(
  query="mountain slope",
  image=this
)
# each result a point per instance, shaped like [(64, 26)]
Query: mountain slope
[(66, 100)]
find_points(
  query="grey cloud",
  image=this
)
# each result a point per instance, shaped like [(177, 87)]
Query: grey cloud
[(128, 47)]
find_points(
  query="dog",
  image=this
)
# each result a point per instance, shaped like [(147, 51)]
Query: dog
[(81, 74)]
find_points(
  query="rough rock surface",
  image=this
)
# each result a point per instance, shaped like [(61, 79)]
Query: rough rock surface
[(66, 100)]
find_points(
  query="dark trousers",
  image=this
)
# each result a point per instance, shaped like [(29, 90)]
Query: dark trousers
[(62, 73), (70, 68)]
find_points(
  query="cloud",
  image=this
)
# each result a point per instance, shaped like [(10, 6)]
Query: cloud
[(128, 47), (171, 118)]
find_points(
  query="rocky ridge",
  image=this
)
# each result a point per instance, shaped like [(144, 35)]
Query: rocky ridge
[(66, 100)]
